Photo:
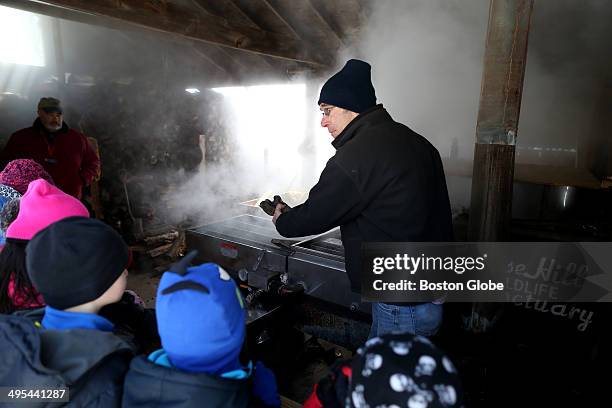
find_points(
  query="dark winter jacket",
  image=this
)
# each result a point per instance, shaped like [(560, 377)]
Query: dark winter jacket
[(384, 184), (148, 384), (70, 159), (133, 324), (90, 363)]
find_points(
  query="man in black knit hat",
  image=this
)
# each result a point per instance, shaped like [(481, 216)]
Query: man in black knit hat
[(384, 184)]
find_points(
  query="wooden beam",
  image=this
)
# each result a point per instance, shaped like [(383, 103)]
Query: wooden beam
[(233, 12), (198, 49), (227, 10), (275, 63), (306, 22), (345, 17), (281, 18), (326, 23), (67, 14), (505, 58), (241, 67), (221, 59), (232, 57), (184, 23), (253, 65), (264, 59), (264, 16)]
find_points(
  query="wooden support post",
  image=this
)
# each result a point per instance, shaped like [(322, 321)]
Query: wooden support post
[(496, 131)]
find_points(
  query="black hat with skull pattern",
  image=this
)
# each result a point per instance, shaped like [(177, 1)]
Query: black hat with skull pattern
[(402, 370)]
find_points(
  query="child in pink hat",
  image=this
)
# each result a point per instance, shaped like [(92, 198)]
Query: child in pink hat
[(41, 205)]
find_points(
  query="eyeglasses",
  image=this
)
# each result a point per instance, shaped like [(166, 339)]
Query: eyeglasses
[(327, 110)]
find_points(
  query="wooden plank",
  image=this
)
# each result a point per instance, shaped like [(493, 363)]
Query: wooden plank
[(325, 21), (308, 24), (498, 115), (161, 250), (251, 65), (227, 10), (174, 20), (345, 17), (212, 54), (281, 18), (67, 14), (504, 70), (231, 11), (264, 16), (241, 67), (234, 57), (491, 199), (266, 60)]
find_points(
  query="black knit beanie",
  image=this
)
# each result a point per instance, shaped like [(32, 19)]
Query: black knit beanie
[(75, 260), (351, 88)]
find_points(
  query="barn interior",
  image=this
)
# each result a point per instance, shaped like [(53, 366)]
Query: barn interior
[(202, 108)]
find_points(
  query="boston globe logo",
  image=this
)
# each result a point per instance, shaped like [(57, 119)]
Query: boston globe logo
[(482, 272)]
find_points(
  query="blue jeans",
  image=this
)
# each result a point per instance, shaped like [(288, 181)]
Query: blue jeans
[(424, 319)]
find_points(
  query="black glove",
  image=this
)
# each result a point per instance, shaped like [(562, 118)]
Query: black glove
[(270, 206)]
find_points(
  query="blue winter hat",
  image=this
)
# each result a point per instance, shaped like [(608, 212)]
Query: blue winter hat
[(200, 317), (351, 88)]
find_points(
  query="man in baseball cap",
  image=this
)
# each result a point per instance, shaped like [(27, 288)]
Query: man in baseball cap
[(63, 152), (50, 105)]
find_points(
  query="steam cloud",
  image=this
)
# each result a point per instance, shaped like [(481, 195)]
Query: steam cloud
[(427, 68)]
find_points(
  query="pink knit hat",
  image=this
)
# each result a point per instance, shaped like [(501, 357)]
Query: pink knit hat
[(42, 205), (19, 173)]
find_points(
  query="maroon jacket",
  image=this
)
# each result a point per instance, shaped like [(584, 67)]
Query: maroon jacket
[(70, 159)]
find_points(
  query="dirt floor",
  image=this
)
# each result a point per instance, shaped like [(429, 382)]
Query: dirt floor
[(145, 285)]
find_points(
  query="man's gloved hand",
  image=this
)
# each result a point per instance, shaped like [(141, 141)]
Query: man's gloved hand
[(267, 206), (270, 206)]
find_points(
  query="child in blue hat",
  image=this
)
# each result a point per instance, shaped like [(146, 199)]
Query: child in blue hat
[(202, 326)]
